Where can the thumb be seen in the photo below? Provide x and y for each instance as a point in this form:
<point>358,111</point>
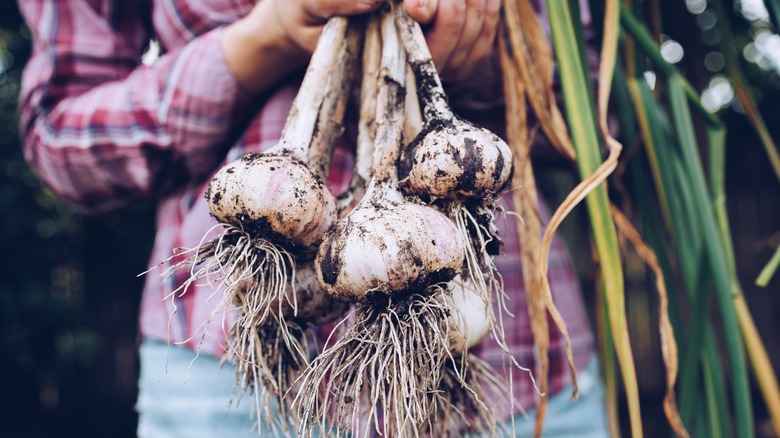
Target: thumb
<point>421,10</point>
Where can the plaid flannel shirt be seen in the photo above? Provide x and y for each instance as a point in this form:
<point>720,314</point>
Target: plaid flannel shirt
<point>103,130</point>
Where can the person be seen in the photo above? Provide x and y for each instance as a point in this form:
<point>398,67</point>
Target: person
<point>104,130</point>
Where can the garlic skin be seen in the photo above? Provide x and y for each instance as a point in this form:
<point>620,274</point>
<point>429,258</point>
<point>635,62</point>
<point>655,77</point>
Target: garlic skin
<point>276,195</point>
<point>313,303</point>
<point>470,320</point>
<point>451,158</point>
<point>273,197</point>
<point>454,161</point>
<point>388,247</point>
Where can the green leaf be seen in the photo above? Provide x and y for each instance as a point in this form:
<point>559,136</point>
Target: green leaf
<point>584,132</point>
<point>715,255</point>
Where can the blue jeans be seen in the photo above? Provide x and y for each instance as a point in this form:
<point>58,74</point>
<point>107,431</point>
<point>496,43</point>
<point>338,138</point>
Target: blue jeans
<point>194,400</point>
<point>586,417</point>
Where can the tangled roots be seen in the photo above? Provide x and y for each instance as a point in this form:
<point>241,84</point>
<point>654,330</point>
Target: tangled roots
<point>379,373</point>
<point>269,358</point>
<point>468,393</point>
<point>252,275</point>
<point>475,225</point>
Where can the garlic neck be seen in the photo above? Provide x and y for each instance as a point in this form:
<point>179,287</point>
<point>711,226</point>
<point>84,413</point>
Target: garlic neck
<point>429,86</point>
<point>302,119</point>
<point>372,54</point>
<point>390,103</point>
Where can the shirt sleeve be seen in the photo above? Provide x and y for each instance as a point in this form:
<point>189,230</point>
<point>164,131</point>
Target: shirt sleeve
<point>102,129</point>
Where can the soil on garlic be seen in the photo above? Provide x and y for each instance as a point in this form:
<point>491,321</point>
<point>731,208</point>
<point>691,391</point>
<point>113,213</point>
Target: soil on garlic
<point>393,260</point>
<point>274,197</point>
<point>461,169</point>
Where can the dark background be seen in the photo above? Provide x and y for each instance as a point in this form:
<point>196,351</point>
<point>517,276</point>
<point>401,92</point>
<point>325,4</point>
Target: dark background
<point>69,291</point>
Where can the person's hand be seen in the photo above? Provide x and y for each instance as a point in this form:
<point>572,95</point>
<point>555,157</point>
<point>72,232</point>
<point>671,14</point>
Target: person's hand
<point>302,20</point>
<point>278,36</point>
<point>461,33</point>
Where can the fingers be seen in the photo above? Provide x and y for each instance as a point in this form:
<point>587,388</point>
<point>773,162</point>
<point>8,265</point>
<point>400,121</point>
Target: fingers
<point>352,7</point>
<point>324,9</point>
<point>484,43</point>
<point>421,10</point>
<point>462,32</point>
<point>460,35</point>
<point>472,27</point>
<point>303,19</point>
<point>445,32</point>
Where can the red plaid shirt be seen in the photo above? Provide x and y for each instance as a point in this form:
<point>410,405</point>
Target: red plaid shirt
<point>103,130</point>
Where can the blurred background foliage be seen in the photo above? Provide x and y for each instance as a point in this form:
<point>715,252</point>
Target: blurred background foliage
<point>69,294</point>
<point>69,291</point>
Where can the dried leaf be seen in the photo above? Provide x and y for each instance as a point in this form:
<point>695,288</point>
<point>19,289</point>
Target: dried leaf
<point>525,201</point>
<point>533,60</point>
<point>668,343</point>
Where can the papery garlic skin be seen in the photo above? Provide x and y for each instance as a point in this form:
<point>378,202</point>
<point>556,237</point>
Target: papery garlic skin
<point>470,320</point>
<point>454,161</point>
<point>390,248</point>
<point>273,197</point>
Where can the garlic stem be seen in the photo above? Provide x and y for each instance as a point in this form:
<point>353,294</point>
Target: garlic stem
<point>330,121</point>
<point>413,123</point>
<point>435,104</point>
<point>372,55</point>
<point>390,104</point>
<point>299,127</point>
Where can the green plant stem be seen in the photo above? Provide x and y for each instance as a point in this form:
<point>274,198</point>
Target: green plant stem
<point>579,33</point>
<point>703,350</point>
<point>641,93</point>
<point>759,358</point>
<point>715,255</point>
<point>609,367</point>
<point>774,12</point>
<point>582,122</point>
<point>680,219</point>
<point>729,48</point>
<point>689,371</point>
<point>650,49</point>
<point>716,398</point>
<point>769,270</point>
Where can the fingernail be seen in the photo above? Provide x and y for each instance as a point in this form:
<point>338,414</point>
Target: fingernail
<point>461,4</point>
<point>493,5</point>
